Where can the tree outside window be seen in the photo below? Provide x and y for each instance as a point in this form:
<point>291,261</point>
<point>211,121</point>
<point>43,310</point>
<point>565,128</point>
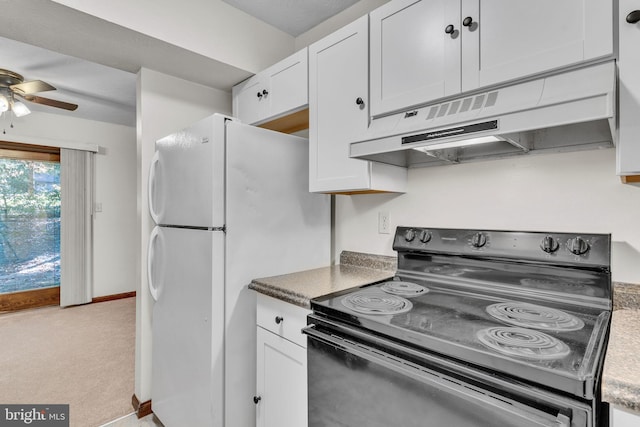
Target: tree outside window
<point>29,224</point>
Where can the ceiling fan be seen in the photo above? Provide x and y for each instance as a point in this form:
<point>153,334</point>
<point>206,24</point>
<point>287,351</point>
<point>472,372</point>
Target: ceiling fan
<point>12,85</point>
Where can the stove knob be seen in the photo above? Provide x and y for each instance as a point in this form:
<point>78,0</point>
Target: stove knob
<point>549,244</point>
<point>578,246</point>
<point>409,235</point>
<point>478,240</point>
<point>425,236</point>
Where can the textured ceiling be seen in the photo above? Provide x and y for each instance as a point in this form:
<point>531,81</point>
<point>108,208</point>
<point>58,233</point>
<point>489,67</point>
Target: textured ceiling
<point>102,93</point>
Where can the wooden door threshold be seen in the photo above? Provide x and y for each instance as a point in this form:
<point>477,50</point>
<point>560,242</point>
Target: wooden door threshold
<point>33,298</point>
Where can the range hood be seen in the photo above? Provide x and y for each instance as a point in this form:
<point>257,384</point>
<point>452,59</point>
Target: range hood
<point>572,110</point>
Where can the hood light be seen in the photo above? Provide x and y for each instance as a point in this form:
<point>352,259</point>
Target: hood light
<point>461,143</point>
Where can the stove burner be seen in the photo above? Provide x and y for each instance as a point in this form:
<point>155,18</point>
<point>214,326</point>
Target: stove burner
<point>523,342</point>
<point>371,302</point>
<point>403,289</point>
<point>534,316</point>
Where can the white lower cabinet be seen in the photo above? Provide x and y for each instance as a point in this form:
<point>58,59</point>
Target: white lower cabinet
<point>620,418</point>
<point>281,383</point>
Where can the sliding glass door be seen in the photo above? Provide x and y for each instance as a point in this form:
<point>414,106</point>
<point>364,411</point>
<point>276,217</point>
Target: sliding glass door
<point>29,224</point>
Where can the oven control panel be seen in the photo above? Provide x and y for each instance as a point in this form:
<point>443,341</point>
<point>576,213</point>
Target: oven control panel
<point>584,249</point>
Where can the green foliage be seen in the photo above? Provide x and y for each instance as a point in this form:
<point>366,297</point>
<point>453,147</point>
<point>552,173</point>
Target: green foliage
<point>22,194</point>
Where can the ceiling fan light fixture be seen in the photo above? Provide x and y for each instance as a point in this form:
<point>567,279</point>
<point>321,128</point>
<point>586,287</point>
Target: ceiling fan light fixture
<point>19,109</point>
<point>4,103</point>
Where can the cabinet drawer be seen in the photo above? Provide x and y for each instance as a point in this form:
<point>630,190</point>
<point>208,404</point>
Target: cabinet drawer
<point>282,318</point>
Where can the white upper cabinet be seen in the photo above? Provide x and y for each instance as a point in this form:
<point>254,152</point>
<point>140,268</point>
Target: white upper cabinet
<point>412,59</point>
<point>422,50</point>
<point>509,39</point>
<point>628,149</point>
<point>339,113</point>
<point>279,90</point>
<point>249,104</point>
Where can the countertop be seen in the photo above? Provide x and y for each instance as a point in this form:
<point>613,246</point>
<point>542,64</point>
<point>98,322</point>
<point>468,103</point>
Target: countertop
<point>621,377</point>
<point>300,287</point>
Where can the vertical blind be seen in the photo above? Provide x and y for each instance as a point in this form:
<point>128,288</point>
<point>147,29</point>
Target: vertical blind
<point>76,227</point>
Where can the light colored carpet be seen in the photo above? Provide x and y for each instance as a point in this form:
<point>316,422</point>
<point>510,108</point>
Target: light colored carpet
<point>82,356</point>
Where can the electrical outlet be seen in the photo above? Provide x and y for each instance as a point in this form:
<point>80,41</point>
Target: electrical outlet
<point>383,223</point>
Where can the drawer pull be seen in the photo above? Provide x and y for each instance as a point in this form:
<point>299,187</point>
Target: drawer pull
<point>279,320</point>
<point>256,399</point>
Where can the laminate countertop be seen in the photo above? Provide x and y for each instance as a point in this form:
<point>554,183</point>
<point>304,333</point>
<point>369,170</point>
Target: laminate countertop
<point>300,287</point>
<point>621,377</point>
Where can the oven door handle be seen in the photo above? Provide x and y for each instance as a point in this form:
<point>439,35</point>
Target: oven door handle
<point>438,380</point>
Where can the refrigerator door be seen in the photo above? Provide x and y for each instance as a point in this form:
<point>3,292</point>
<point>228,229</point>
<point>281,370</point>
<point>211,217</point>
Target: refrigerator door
<point>186,177</point>
<point>187,277</point>
<point>274,226</point>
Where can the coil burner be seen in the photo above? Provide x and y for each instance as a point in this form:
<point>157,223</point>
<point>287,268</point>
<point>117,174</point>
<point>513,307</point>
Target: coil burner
<point>403,289</point>
<point>521,342</point>
<point>534,316</point>
<point>376,302</point>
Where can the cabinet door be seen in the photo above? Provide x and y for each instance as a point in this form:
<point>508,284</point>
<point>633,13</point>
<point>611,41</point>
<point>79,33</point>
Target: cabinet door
<point>628,149</point>
<point>620,418</point>
<point>509,39</point>
<point>338,70</point>
<point>281,382</point>
<point>413,59</point>
<point>287,85</point>
<point>249,103</point>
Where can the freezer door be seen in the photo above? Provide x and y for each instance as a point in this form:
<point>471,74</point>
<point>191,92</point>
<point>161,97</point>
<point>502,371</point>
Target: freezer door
<point>186,177</point>
<point>187,325</point>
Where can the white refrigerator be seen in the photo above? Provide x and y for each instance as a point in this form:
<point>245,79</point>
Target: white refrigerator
<point>231,203</point>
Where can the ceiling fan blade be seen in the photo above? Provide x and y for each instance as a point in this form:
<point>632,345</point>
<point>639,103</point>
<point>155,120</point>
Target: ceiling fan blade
<point>50,102</point>
<point>33,86</point>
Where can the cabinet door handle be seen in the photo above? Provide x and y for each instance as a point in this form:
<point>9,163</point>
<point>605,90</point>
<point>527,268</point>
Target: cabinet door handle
<point>279,319</point>
<point>265,92</point>
<point>633,17</point>
<point>449,29</point>
<point>259,95</point>
<point>467,22</point>
<point>359,101</point>
<point>256,399</point>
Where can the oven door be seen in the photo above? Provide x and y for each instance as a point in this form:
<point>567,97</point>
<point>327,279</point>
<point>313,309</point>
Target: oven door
<point>355,383</point>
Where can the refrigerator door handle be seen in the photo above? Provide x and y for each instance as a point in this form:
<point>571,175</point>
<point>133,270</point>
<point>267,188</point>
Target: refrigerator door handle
<point>150,258</point>
<point>152,177</point>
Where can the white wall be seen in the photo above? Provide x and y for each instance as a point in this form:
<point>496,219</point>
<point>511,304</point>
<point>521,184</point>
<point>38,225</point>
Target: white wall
<point>573,192</point>
<point>115,174</point>
<point>211,28</point>
<point>164,104</point>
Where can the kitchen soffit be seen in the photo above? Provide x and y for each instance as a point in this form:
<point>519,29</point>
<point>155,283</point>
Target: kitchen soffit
<point>294,17</point>
<point>92,62</point>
